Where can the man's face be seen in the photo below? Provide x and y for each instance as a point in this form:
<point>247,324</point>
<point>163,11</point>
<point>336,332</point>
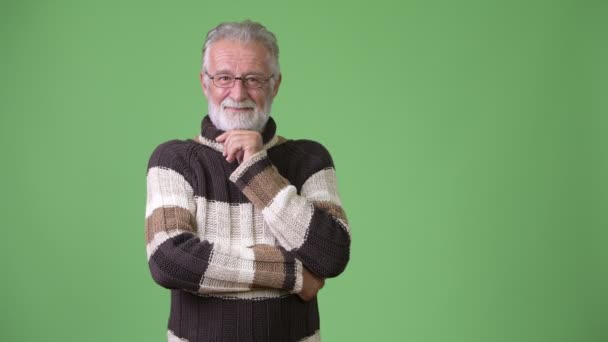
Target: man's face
<point>239,107</point>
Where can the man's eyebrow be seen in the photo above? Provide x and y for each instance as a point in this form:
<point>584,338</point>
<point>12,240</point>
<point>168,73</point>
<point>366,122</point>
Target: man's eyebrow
<point>223,71</point>
<point>226,71</point>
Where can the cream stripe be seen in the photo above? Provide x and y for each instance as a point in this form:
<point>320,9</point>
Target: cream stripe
<point>233,265</point>
<point>344,224</point>
<point>322,186</point>
<point>273,141</point>
<point>214,145</point>
<point>316,337</point>
<point>171,337</point>
<point>299,277</point>
<point>288,216</point>
<point>252,294</point>
<point>236,224</point>
<point>167,188</point>
<point>159,238</point>
<point>211,285</point>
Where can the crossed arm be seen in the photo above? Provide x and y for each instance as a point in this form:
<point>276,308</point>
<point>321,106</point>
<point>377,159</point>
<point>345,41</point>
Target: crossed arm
<point>310,228</point>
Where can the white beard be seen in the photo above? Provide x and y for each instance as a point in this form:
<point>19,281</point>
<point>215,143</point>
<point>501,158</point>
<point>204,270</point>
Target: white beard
<point>253,120</point>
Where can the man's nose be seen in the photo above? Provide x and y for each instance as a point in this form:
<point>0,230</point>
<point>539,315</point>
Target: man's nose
<point>238,92</point>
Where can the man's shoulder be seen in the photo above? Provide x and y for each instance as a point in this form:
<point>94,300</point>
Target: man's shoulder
<point>307,145</point>
<point>170,154</point>
<point>308,151</point>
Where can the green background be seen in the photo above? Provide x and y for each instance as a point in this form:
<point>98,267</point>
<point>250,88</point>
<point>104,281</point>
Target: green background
<point>469,139</point>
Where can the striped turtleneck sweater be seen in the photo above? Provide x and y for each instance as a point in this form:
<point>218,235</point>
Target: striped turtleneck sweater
<point>230,241</point>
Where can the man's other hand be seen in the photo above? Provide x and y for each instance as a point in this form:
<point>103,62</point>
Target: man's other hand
<point>311,284</point>
<point>240,144</point>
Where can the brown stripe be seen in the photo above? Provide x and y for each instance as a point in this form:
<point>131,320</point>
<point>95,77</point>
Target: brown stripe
<point>269,266</point>
<point>166,219</point>
<point>332,209</point>
<point>264,186</point>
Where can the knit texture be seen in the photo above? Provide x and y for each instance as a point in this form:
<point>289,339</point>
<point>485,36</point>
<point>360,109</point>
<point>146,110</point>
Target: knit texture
<point>230,241</point>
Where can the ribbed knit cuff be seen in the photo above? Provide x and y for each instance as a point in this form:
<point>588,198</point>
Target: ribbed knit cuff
<point>299,272</point>
<point>258,179</point>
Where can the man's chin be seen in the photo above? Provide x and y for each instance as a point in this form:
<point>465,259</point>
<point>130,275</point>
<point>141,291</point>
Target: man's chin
<point>243,121</point>
<point>238,115</point>
<point>228,119</point>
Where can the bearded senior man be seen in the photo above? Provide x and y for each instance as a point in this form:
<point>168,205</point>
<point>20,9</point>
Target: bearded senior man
<point>243,225</point>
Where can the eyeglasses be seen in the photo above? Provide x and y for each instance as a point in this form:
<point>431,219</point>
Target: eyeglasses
<point>249,81</point>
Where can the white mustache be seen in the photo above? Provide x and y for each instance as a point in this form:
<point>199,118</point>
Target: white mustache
<point>237,104</point>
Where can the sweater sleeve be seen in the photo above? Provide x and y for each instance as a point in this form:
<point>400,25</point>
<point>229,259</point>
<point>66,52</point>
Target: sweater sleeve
<point>311,224</point>
<point>179,259</point>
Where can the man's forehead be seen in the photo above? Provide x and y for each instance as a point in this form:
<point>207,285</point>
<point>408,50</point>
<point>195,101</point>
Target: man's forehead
<point>230,54</point>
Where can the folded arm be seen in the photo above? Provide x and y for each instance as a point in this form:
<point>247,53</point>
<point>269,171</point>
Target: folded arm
<point>179,259</point>
<point>312,224</point>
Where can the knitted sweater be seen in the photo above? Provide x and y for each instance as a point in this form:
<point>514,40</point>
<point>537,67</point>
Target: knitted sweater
<point>230,241</point>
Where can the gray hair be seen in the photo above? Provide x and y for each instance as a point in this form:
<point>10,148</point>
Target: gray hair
<point>246,31</point>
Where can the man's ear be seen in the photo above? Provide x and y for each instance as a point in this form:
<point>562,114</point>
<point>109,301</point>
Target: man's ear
<point>203,83</point>
<point>275,91</point>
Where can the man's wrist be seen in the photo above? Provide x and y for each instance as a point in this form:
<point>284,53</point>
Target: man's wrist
<point>248,154</point>
<point>247,164</point>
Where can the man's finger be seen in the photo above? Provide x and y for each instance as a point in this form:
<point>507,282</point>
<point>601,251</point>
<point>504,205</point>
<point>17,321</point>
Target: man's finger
<point>230,153</point>
<point>233,146</point>
<point>227,135</point>
<point>222,136</point>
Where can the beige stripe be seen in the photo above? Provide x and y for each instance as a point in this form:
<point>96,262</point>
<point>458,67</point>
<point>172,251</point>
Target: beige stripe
<point>269,268</point>
<point>332,209</point>
<point>268,253</point>
<point>166,219</point>
<point>264,186</point>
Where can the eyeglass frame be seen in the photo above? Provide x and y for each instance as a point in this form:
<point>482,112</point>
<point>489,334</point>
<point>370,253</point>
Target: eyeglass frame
<point>242,78</point>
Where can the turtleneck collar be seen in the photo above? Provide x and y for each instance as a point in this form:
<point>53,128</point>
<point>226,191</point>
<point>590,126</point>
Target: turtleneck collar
<point>209,132</point>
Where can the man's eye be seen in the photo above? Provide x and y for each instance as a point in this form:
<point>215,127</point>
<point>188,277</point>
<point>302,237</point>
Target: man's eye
<point>224,78</point>
<point>253,80</point>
